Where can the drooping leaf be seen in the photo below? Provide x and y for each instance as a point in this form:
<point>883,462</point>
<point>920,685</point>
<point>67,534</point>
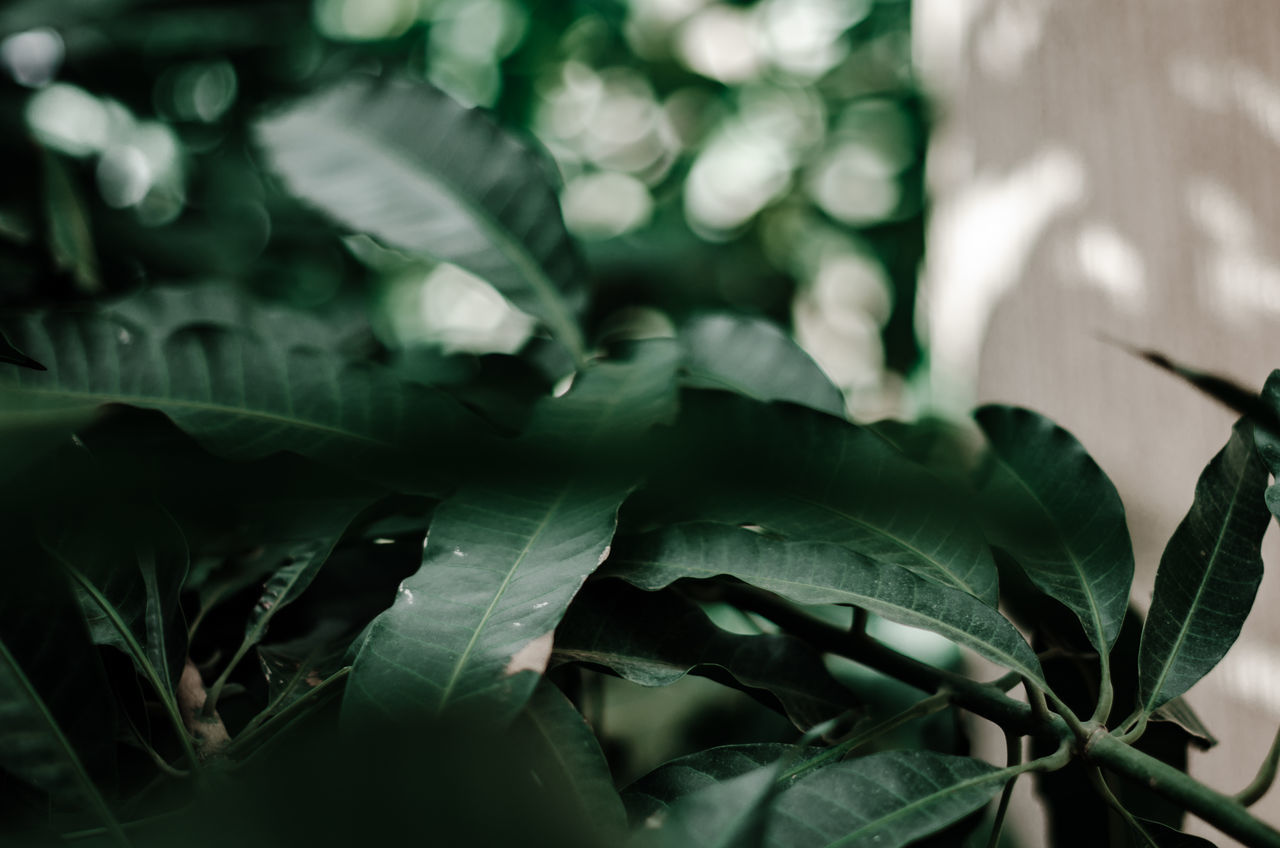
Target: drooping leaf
<point>557,738</point>
<point>1209,574</point>
<point>405,163</point>
<point>821,573</point>
<point>470,632</point>
<point>656,638</point>
<point>811,477</point>
<point>240,396</point>
<point>755,358</point>
<point>67,220</point>
<point>884,800</point>
<point>1056,513</point>
<point>1167,837</point>
<point>655,793</point>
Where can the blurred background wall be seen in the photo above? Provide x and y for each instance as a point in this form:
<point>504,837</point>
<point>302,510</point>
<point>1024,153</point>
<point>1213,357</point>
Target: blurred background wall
<point>1110,169</point>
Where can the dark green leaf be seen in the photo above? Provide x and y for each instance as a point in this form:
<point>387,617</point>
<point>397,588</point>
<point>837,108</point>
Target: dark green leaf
<point>558,738</point>
<point>1054,510</point>
<point>754,358</point>
<point>818,573</point>
<point>1209,574</point>
<point>239,395</point>
<point>294,668</point>
<point>470,632</point>
<point>653,794</point>
<point>656,638</point>
<point>1179,712</point>
<point>404,162</point>
<point>1167,837</point>
<point>67,219</point>
<point>811,477</point>
<point>130,563</point>
<point>732,813</point>
<point>884,800</point>
<point>10,354</point>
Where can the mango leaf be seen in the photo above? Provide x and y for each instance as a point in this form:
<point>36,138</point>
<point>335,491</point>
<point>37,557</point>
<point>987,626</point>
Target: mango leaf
<point>755,358</point>
<point>472,630</point>
<point>1056,513</point>
<point>1179,712</point>
<point>656,638</point>
<point>1167,837</point>
<point>812,477</point>
<point>296,667</point>
<point>732,813</point>
<point>818,573</point>
<point>884,800</point>
<point>129,563</point>
<point>1209,574</point>
<point>649,798</point>
<point>67,222</point>
<point>56,715</point>
<point>558,739</point>
<point>13,356</point>
<point>405,163</point>
<point>238,395</point>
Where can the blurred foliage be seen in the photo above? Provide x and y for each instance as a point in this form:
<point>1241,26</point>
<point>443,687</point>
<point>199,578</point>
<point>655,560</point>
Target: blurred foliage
<point>763,156</point>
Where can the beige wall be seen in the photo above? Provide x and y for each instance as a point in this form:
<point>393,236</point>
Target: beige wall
<point>1113,167</point>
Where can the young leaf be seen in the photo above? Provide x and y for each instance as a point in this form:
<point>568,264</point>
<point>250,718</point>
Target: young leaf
<point>883,800</point>
<point>404,162</point>
<point>1054,510</point>
<point>240,396</point>
<point>1208,576</point>
<point>470,632</point>
<point>558,738</point>
<point>754,358</point>
<point>612,624</point>
<point>818,573</point>
<point>814,478</point>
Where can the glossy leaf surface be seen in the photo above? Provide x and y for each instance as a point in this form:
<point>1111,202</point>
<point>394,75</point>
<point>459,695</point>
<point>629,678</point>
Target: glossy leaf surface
<point>818,573</point>
<point>754,358</point>
<point>811,477</point>
<point>470,632</point>
<point>404,162</point>
<point>1208,576</point>
<point>1059,516</point>
<point>654,793</point>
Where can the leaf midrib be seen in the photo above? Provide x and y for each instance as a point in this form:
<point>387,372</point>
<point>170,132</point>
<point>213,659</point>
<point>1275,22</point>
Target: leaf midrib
<point>1185,627</point>
<point>201,406</point>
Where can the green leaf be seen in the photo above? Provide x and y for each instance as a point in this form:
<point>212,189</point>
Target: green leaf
<point>612,624</point>
<point>884,800</point>
<point>56,715</point>
<point>1179,712</point>
<point>818,573</point>
<point>10,354</point>
<point>1054,510</point>
<point>407,164</point>
<point>33,747</point>
<point>757,359</point>
<point>240,396</point>
<point>67,219</point>
<point>811,477</point>
<point>129,563</point>
<point>655,793</point>
<point>1209,574</point>
<point>733,813</point>
<point>1167,837</point>
<point>558,739</point>
<point>471,631</point>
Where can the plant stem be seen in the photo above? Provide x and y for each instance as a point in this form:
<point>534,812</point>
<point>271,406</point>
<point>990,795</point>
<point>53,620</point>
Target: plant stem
<point>215,691</point>
<point>1013,747</point>
<point>1221,811</point>
<point>289,713</point>
<point>1266,775</point>
<point>988,701</point>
